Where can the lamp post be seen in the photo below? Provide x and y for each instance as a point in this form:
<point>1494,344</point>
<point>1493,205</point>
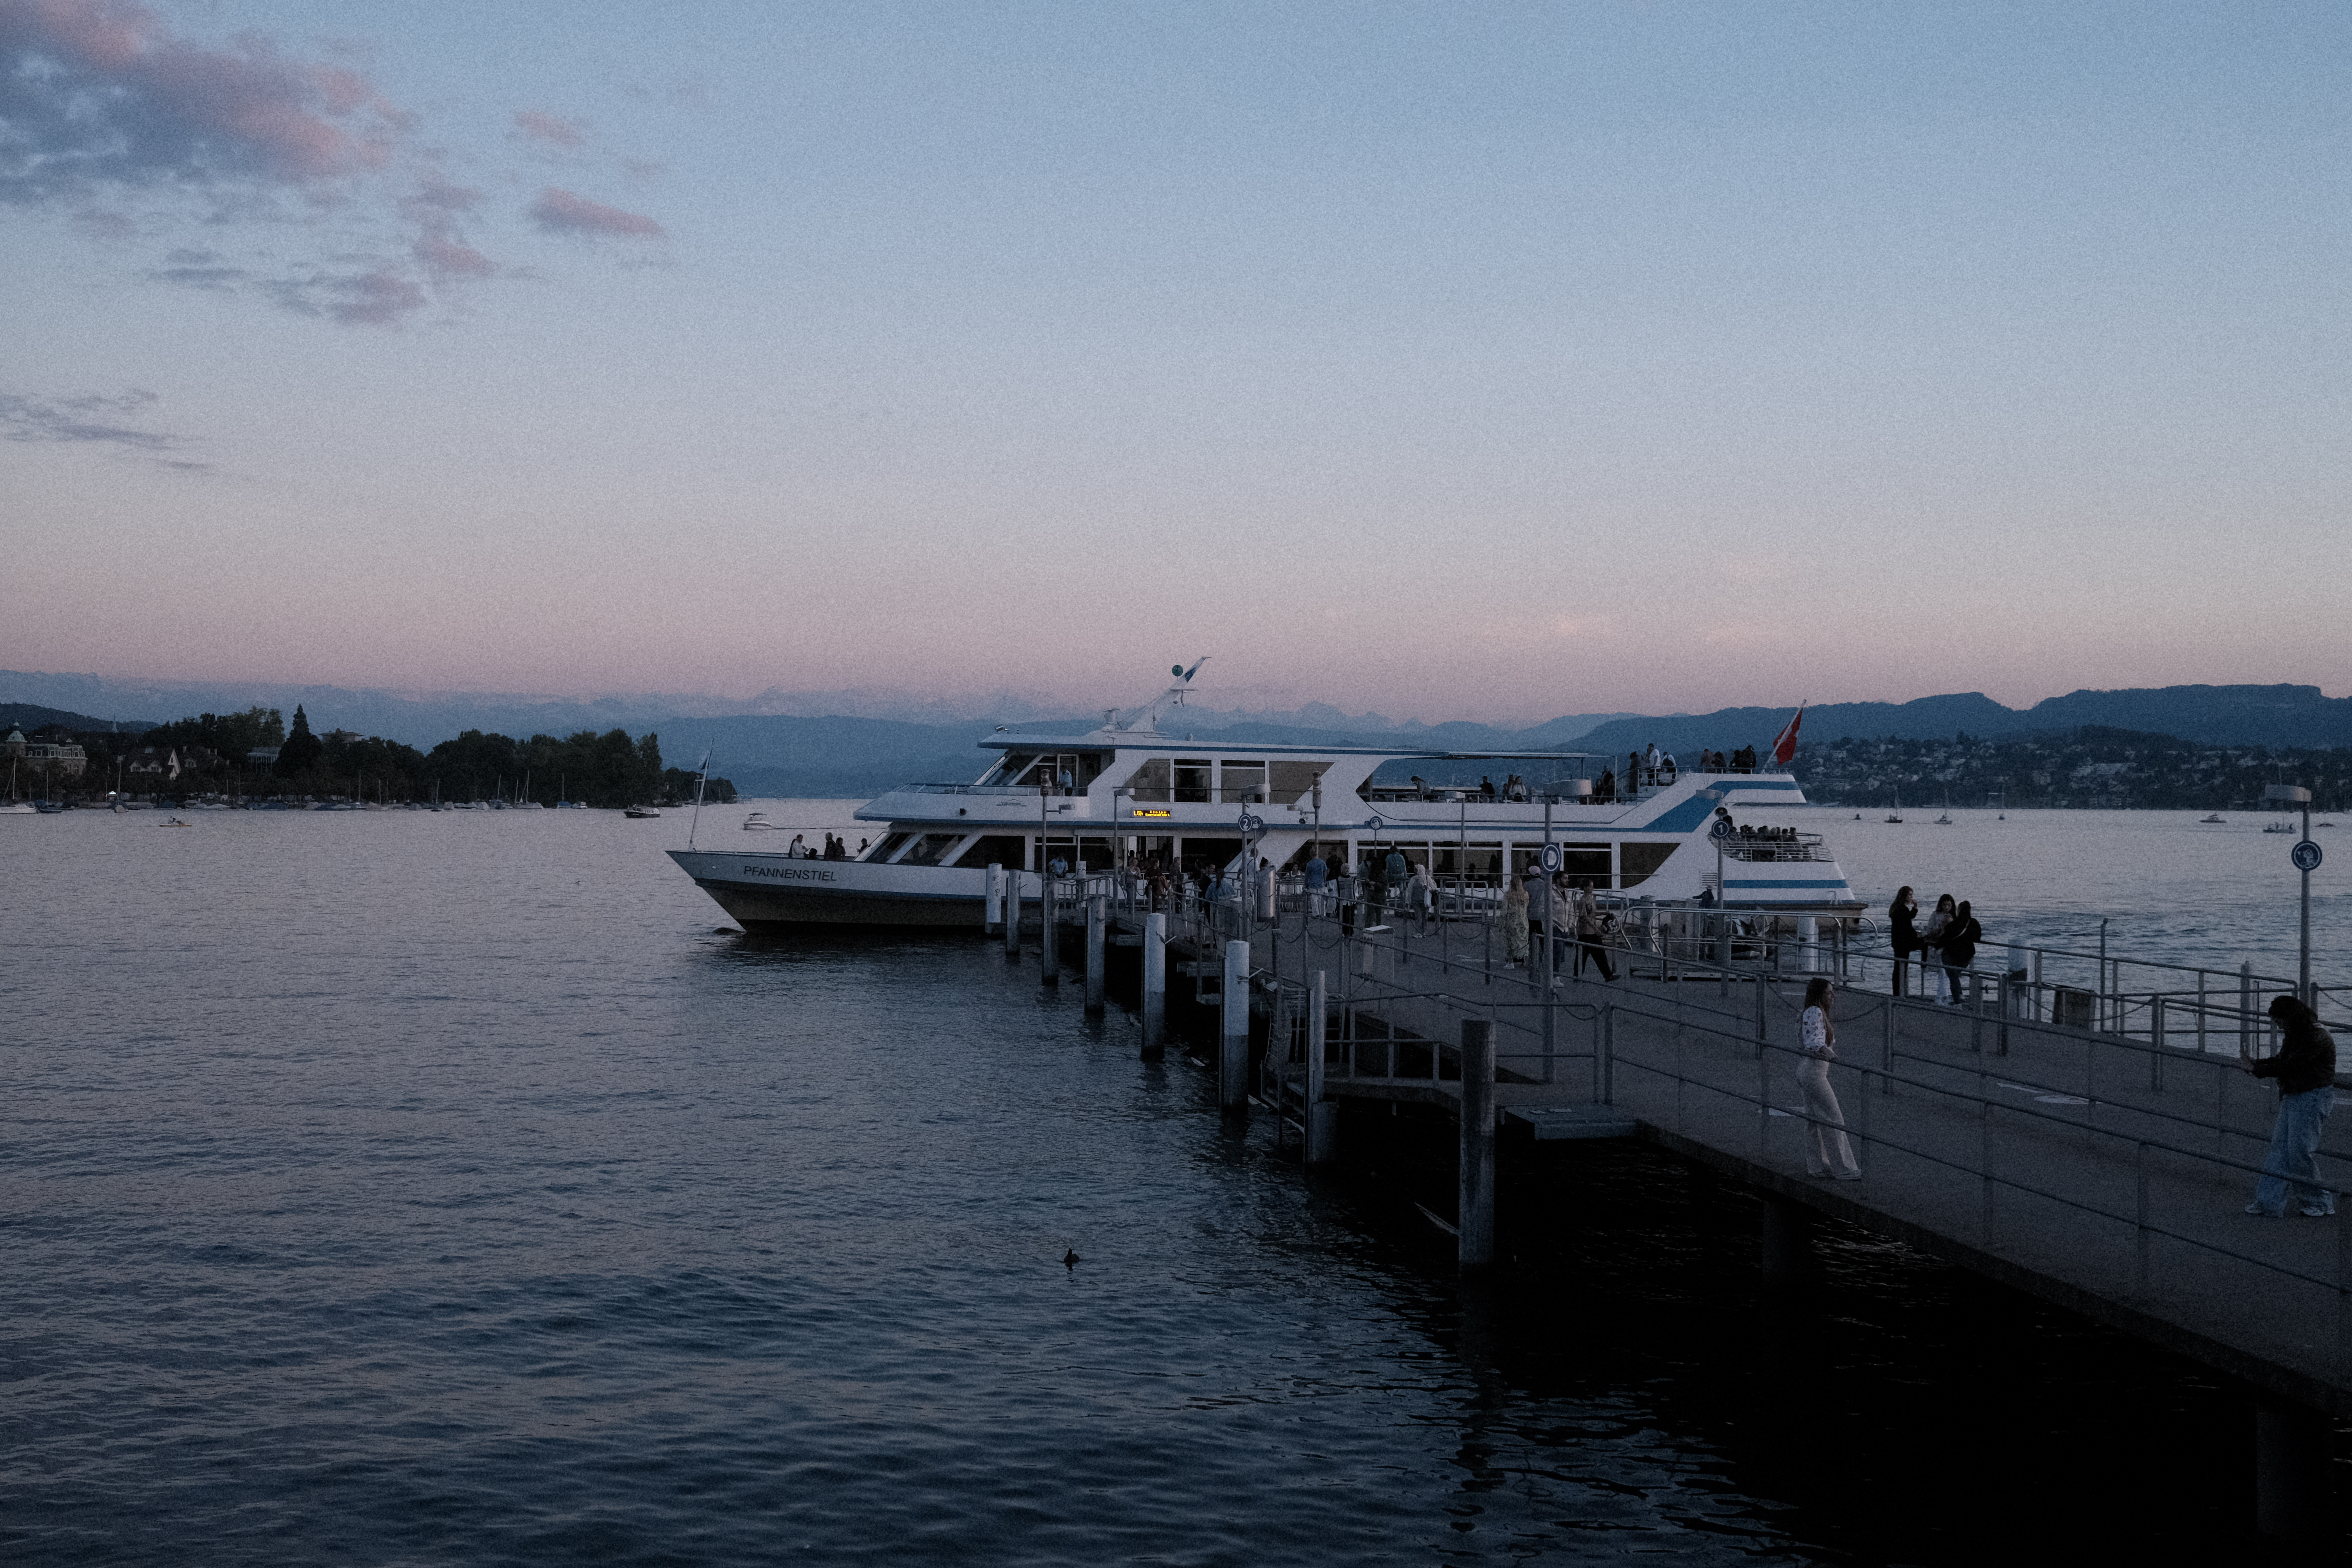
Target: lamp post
<point>2306,856</point>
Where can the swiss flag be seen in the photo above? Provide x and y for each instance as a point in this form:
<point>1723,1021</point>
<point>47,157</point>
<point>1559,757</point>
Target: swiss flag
<point>1785,749</point>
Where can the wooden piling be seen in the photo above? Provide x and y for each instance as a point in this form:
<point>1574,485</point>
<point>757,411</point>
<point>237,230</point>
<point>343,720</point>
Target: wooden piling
<point>1012,913</point>
<point>1155,986</point>
<point>1475,1216</point>
<point>1321,1119</point>
<point>993,913</point>
<point>1098,932</point>
<point>1049,933</point>
<point>1232,1031</point>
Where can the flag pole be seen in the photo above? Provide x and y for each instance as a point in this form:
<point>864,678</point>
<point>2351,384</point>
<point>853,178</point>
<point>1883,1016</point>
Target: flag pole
<point>702,777</point>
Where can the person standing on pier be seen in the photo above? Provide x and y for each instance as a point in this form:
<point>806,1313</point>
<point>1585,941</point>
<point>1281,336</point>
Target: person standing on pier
<point>1515,921</point>
<point>1930,941</point>
<point>2305,1070</point>
<point>1903,918</point>
<point>1319,876</point>
<point>1958,944</point>
<point>1827,1153</point>
<point>1590,947</point>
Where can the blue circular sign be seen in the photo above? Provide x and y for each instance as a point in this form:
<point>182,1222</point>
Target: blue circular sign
<point>1722,828</point>
<point>1549,858</point>
<point>2307,855</point>
<point>1252,824</point>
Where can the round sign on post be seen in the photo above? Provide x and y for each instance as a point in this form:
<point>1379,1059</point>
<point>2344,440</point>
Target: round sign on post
<point>1251,826</point>
<point>1722,828</point>
<point>2307,855</point>
<point>1549,858</point>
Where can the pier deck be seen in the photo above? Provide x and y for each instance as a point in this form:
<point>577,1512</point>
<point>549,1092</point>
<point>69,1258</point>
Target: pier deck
<point>2103,1173</point>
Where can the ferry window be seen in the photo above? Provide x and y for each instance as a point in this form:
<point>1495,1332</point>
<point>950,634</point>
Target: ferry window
<point>1243,782</point>
<point>1149,782</point>
<point>1640,862</point>
<point>1090,767</point>
<point>1288,782</point>
<point>1586,860</point>
<point>933,845</point>
<point>888,846</point>
<point>996,849</point>
<point>1192,780</point>
<point>1014,764</point>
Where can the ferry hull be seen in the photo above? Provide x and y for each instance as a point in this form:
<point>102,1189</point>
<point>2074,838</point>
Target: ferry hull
<point>767,892</point>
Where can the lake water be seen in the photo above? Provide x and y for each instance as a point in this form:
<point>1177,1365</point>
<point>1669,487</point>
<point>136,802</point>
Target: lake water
<point>397,1188</point>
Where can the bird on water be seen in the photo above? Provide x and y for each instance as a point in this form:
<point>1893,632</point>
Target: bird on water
<point>1070,1259</point>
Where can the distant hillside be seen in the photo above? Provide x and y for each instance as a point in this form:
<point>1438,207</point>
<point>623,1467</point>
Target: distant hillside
<point>30,716</point>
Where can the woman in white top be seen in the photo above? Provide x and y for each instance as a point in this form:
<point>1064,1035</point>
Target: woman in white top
<point>1931,937</point>
<point>1827,1153</point>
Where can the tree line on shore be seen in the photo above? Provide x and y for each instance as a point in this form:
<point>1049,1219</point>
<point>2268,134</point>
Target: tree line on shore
<point>257,753</point>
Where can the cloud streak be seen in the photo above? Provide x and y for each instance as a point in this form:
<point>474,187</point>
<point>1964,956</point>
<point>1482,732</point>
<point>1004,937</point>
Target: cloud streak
<point>561,211</point>
<point>93,419</point>
<point>551,129</point>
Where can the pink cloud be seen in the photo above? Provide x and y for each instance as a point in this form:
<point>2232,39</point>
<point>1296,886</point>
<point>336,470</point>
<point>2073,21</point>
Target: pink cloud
<point>560,212</point>
<point>101,94</point>
<point>547,128</point>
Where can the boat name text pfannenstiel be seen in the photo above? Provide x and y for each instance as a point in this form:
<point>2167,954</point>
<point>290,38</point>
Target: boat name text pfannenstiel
<point>789,873</point>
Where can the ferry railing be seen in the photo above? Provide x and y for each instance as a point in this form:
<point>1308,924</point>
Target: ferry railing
<point>2132,1137</point>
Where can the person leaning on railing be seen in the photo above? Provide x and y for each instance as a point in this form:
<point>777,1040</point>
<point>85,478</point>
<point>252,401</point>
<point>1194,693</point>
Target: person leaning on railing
<point>2305,1070</point>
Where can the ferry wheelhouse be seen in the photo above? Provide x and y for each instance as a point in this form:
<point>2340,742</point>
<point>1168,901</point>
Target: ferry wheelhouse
<point>1130,793</point>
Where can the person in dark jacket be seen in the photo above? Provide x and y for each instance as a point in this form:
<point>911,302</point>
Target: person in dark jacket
<point>1957,947</point>
<point>2305,1070</point>
<point>1903,916</point>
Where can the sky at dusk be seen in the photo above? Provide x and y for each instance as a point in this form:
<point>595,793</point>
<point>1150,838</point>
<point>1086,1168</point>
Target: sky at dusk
<point>1484,362</point>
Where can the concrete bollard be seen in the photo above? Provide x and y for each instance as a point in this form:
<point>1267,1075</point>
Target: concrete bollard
<point>992,910</point>
<point>1322,1120</point>
<point>1265,895</point>
<point>1474,1215</point>
<point>1049,932</point>
<point>1155,986</point>
<point>1809,943</point>
<point>1098,931</point>
<point>1232,1031</point>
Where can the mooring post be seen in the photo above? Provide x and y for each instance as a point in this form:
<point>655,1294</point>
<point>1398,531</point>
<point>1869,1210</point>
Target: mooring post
<point>1049,935</point>
<point>1098,931</point>
<point>1759,1015</point>
<point>2246,1008</point>
<point>1322,1120</point>
<point>1475,1216</point>
<point>1788,1244</point>
<point>2291,1471</point>
<point>1232,1031</point>
<point>992,916</point>
<point>1012,913</point>
<point>1155,984</point>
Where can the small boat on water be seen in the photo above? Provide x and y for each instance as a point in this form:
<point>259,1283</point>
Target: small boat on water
<point>639,811</point>
<point>758,823</point>
<point>2212,819</point>
<point>1896,815</point>
<point>2282,826</point>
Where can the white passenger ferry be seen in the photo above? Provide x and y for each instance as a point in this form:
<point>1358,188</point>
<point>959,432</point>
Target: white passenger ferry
<point>1130,794</point>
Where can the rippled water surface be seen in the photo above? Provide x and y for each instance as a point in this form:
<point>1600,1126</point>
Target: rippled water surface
<point>399,1187</point>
